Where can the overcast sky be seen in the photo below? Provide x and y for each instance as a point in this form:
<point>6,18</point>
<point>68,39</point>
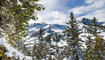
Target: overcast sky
<point>57,11</point>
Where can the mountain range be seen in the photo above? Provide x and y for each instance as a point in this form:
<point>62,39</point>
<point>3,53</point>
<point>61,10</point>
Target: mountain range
<point>59,27</point>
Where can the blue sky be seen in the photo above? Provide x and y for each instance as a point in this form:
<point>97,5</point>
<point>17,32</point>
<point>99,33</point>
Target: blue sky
<point>57,11</point>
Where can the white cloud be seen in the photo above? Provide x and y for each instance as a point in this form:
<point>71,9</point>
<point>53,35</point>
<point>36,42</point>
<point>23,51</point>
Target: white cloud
<point>96,4</point>
<point>49,4</point>
<point>54,17</point>
<point>50,14</point>
<point>91,8</point>
<point>99,14</point>
<point>94,8</point>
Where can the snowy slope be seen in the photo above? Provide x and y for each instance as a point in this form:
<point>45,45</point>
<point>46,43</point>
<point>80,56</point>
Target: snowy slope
<point>48,29</point>
<point>13,52</point>
<point>54,28</point>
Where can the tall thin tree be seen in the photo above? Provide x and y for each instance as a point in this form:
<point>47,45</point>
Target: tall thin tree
<point>95,51</point>
<point>74,51</point>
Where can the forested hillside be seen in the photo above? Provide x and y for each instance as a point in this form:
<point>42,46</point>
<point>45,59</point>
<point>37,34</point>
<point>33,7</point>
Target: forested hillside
<point>77,39</point>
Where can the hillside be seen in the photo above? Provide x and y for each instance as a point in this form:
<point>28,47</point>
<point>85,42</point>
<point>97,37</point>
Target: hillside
<point>48,29</point>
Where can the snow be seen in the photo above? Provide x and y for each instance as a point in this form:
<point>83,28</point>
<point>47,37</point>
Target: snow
<point>62,43</point>
<point>49,29</point>
<point>13,52</point>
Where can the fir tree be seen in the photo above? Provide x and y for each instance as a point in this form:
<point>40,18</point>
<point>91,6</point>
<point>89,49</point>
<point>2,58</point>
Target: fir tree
<point>74,51</point>
<point>40,48</point>
<point>96,52</point>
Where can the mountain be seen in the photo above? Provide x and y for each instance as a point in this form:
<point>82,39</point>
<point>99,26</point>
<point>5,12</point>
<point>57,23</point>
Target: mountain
<point>52,28</point>
<point>85,21</point>
<point>48,28</point>
<point>44,25</point>
<point>89,22</point>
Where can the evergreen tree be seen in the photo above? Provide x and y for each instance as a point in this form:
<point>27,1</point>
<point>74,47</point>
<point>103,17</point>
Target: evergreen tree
<point>74,51</point>
<point>52,49</point>
<point>96,52</point>
<point>89,51</point>
<point>14,17</point>
<point>40,48</point>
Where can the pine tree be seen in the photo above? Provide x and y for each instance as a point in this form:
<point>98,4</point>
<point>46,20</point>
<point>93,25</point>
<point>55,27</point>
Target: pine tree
<point>74,51</point>
<point>14,17</point>
<point>96,52</point>
<point>40,48</point>
<point>89,51</point>
<point>52,49</point>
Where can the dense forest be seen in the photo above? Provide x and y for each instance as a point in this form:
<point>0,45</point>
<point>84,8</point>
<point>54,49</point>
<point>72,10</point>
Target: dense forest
<point>18,42</point>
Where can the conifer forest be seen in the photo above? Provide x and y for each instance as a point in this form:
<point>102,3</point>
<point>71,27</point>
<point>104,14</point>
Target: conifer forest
<point>52,29</point>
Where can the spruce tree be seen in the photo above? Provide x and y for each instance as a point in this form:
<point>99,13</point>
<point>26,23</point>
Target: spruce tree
<point>74,51</point>
<point>40,48</point>
<point>99,42</point>
<point>96,52</point>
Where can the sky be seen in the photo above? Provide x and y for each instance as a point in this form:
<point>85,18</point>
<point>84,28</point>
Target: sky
<point>58,11</point>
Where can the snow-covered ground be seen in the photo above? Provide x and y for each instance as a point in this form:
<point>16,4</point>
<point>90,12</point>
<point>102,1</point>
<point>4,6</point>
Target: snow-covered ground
<point>13,52</point>
<point>48,29</point>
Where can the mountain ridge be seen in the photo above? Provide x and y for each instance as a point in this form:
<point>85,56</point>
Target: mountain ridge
<point>85,21</point>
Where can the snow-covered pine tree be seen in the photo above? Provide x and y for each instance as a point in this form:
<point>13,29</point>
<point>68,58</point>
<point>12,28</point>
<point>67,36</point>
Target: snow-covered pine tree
<point>57,37</point>
<point>74,51</point>
<point>39,49</point>
<point>53,50</point>
<point>50,50</point>
<point>96,51</point>
<point>14,17</point>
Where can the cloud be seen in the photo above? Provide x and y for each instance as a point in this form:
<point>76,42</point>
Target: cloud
<point>57,11</point>
<point>54,17</point>
<point>49,4</point>
<point>99,14</point>
<point>94,8</point>
<point>95,4</point>
<point>51,14</point>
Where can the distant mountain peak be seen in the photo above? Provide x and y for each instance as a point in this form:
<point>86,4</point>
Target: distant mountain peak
<point>87,21</point>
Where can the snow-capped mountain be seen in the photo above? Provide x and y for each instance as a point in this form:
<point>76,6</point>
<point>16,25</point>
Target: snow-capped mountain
<point>88,22</point>
<point>47,26</point>
<point>51,28</point>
